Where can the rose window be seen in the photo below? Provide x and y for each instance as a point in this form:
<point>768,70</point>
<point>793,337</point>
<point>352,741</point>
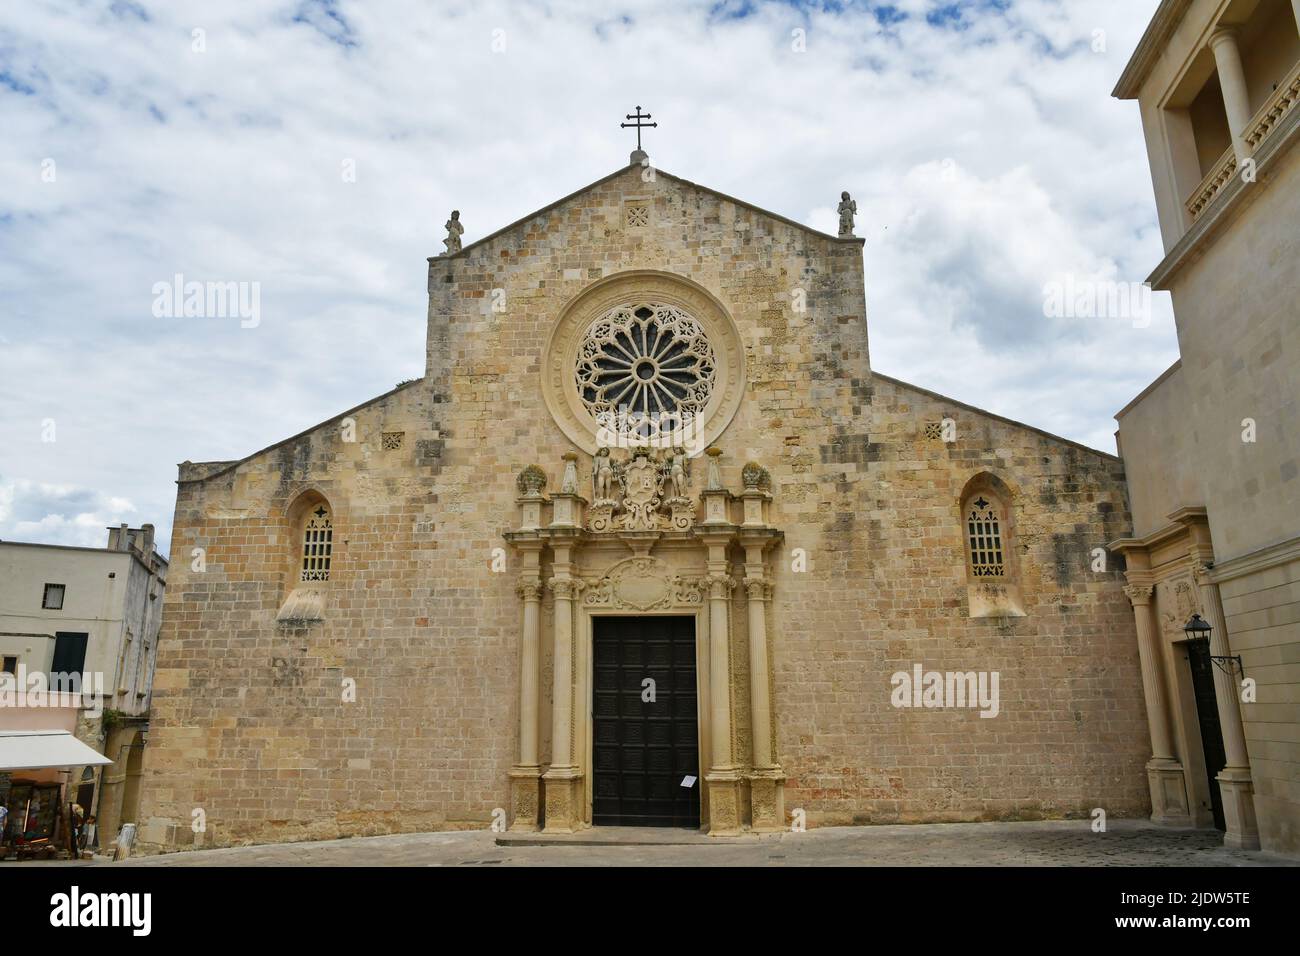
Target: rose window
<point>645,365</point>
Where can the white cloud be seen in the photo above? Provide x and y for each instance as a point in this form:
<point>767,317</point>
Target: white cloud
<point>227,165</point>
<point>59,514</point>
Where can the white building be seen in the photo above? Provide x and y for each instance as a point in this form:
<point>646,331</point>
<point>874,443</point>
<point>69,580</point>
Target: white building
<point>94,613</point>
<point>1211,448</point>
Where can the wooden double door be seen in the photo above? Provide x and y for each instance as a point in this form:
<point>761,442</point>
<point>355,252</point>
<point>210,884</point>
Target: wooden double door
<point>645,745</point>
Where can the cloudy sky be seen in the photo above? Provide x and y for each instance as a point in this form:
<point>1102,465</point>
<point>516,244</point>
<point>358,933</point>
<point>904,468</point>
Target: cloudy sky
<point>315,147</point>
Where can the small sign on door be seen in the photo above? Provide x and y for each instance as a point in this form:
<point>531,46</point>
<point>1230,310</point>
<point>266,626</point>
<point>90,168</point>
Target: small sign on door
<point>688,782</point>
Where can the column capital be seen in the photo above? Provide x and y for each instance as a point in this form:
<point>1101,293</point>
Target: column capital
<point>1224,34</point>
<point>720,584</point>
<point>1139,595</point>
<point>1201,571</point>
<point>757,588</point>
<point>529,590</point>
<point>564,589</point>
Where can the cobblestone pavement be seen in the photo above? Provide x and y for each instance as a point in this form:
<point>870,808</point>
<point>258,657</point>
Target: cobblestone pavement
<point>1057,843</point>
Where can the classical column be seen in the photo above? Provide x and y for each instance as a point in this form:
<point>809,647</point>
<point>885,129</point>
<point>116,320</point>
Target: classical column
<point>531,592</point>
<point>723,777</point>
<point>1235,783</point>
<point>766,782</point>
<point>525,786</point>
<point>562,778</point>
<point>767,810</point>
<point>760,708</point>
<point>720,664</point>
<point>562,699</point>
<point>525,773</point>
<point>1164,772</point>
<point>1232,80</point>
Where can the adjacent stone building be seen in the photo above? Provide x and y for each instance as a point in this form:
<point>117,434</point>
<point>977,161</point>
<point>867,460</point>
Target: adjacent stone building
<point>519,591</point>
<point>1212,446</point>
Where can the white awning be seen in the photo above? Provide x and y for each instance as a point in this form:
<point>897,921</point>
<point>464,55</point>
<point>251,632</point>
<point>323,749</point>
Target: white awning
<point>44,750</point>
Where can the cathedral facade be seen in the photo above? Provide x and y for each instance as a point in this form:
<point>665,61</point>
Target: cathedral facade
<point>649,543</point>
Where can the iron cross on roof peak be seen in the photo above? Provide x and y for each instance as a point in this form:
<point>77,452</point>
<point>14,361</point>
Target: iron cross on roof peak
<point>638,116</point>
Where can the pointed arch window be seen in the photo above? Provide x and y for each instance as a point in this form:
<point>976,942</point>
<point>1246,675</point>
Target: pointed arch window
<point>317,544</point>
<point>988,518</point>
<point>984,539</point>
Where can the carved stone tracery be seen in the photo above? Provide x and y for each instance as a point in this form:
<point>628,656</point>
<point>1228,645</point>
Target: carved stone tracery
<point>645,365</point>
<point>611,376</point>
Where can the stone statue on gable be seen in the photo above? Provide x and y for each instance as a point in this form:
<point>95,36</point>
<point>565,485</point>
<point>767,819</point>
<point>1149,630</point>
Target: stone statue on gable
<point>454,231</point>
<point>847,210</point>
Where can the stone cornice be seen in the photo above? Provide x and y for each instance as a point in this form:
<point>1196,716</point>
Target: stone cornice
<point>947,400</point>
<point>1189,514</point>
<point>1259,560</point>
<point>1179,520</point>
<point>766,536</point>
<point>1160,380</point>
<point>636,170</point>
<point>190,471</point>
<point>702,532</point>
<point>1155,538</point>
<point>1150,48</point>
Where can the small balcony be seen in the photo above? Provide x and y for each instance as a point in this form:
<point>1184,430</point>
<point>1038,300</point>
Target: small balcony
<point>1219,176</point>
<point>1257,132</point>
<point>1271,113</point>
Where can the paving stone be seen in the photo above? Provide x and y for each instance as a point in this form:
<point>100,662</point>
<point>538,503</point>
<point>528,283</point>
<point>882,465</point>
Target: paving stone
<point>1053,843</point>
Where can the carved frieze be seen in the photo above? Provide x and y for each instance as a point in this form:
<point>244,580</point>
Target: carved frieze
<point>1179,600</point>
<point>643,584</point>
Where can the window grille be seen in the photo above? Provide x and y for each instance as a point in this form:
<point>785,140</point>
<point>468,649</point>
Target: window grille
<point>317,545</point>
<point>985,535</point>
<point>53,599</point>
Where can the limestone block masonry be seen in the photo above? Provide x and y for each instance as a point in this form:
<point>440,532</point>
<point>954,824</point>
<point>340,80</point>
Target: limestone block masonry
<point>422,694</point>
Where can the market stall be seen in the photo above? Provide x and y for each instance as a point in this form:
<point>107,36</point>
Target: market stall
<point>33,764</point>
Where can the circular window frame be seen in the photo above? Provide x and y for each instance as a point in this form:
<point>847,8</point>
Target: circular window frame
<point>559,384</point>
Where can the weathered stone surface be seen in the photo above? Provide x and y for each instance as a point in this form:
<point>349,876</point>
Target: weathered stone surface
<point>416,616</point>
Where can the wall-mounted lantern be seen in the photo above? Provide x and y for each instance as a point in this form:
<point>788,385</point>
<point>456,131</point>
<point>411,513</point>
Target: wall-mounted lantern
<point>1198,629</point>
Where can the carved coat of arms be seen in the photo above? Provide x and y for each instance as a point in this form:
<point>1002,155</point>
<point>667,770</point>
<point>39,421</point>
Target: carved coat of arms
<point>642,480</point>
<point>629,494</point>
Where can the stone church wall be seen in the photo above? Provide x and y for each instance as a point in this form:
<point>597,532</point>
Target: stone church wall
<point>253,727</point>
<point>887,591</point>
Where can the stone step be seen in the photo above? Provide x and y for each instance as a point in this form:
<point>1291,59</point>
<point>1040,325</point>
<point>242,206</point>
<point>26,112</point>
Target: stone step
<point>628,836</point>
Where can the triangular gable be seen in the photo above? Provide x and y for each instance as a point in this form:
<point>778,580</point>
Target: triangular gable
<point>666,175</point>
